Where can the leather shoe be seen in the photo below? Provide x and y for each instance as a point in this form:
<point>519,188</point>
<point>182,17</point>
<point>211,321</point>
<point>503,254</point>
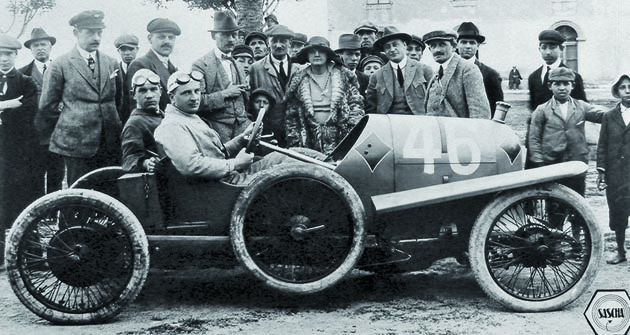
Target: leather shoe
<point>617,259</point>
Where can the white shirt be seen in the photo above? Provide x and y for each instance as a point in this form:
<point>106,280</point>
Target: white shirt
<point>395,66</point>
<point>444,66</point>
<point>4,87</point>
<point>564,108</point>
<point>276,63</point>
<point>625,114</point>
<point>124,66</point>
<point>225,62</point>
<point>86,54</point>
<point>40,65</point>
<point>552,66</point>
<point>162,59</point>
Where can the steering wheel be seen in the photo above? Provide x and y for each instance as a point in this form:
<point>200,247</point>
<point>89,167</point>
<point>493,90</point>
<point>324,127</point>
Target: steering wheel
<point>252,137</point>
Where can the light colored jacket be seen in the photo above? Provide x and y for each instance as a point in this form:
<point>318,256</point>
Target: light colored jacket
<point>380,91</point>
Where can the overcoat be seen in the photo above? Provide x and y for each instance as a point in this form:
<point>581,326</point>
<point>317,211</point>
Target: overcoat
<point>460,92</point>
<point>78,107</point>
<point>31,70</point>
<point>380,90</point>
<point>492,84</point>
<point>346,104</point>
<point>152,62</point>
<point>613,156</point>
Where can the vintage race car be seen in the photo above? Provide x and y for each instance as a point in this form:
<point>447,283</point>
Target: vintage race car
<point>397,194</point>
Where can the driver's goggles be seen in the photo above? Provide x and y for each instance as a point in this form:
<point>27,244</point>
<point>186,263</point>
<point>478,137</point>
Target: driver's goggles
<point>182,78</point>
<point>142,79</point>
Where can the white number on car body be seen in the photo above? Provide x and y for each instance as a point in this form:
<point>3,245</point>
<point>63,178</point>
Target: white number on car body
<point>428,150</point>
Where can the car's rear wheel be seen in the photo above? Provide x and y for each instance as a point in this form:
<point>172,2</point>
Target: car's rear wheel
<point>298,228</point>
<point>103,180</point>
<point>77,257</point>
<point>536,249</point>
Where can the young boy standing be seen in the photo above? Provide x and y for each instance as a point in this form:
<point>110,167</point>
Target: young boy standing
<point>613,164</point>
<point>557,127</point>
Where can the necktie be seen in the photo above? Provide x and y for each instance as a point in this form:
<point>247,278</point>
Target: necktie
<point>3,80</point>
<point>399,74</point>
<point>92,65</point>
<point>283,75</point>
<point>44,69</point>
<point>440,72</point>
<point>226,57</point>
<point>546,78</point>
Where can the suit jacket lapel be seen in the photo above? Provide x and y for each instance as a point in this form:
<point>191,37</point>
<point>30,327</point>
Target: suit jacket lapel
<point>103,65</point>
<point>81,65</point>
<point>409,74</point>
<point>388,77</point>
<point>159,68</point>
<point>35,74</point>
<point>450,69</point>
<point>272,72</point>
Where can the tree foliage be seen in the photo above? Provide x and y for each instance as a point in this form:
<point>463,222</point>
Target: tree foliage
<point>21,13</point>
<point>269,6</point>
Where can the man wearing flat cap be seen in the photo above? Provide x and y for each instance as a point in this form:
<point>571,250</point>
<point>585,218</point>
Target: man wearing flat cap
<point>468,41</point>
<point>20,170</point>
<point>223,87</point>
<point>457,88</point>
<point>350,52</point>
<point>272,73</point>
<point>162,37</point>
<point>415,49</point>
<point>52,164</point>
<point>258,42</point>
<point>297,43</point>
<point>127,46</point>
<point>367,32</point>
<point>80,102</point>
<point>399,87</point>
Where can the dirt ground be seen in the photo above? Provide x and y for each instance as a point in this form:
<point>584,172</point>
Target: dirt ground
<point>445,299</point>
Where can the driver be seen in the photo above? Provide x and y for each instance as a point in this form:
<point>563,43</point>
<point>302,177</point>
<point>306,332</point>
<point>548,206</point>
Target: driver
<point>195,149</point>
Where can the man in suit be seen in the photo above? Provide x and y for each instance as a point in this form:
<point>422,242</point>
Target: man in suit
<point>272,73</point>
<point>367,34</point>
<point>468,41</point>
<point>223,87</point>
<point>162,37</point>
<point>51,166</point>
<point>81,96</point>
<point>350,53</point>
<point>258,42</point>
<point>127,46</point>
<point>457,90</point>
<point>20,181</point>
<point>399,86</point>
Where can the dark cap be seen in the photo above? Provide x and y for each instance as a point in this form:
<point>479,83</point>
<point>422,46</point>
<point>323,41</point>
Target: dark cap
<point>550,36</point>
<point>9,42</point>
<point>255,34</point>
<point>469,30</point>
<point>90,19</point>
<point>369,26</point>
<point>224,21</point>
<point>440,35</point>
<point>561,74</point>
<point>300,38</point>
<point>280,31</point>
<point>262,91</point>
<point>370,59</point>
<point>163,25</point>
<point>39,34</point>
<point>391,33</point>
<point>242,50</point>
<point>417,39</point>
<point>127,40</point>
<point>271,17</point>
<point>349,42</point>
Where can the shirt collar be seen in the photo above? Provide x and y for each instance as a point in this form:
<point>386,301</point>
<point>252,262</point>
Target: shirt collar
<point>555,65</point>
<point>444,65</point>
<point>160,57</point>
<point>277,62</point>
<point>624,109</point>
<point>220,54</point>
<point>85,54</point>
<point>402,63</point>
<point>40,65</point>
<point>7,72</point>
<point>470,60</point>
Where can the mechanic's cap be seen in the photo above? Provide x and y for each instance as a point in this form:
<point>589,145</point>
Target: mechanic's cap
<point>9,42</point>
<point>243,50</point>
<point>440,35</point>
<point>370,59</point>
<point>550,36</point>
<point>89,19</point>
<point>126,40</point>
<point>179,78</point>
<point>561,74</point>
<point>300,38</point>
<point>369,26</point>
<point>163,25</point>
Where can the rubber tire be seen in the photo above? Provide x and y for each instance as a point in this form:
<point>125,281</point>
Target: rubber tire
<point>103,202</point>
<point>485,221</point>
<point>288,171</point>
<point>103,180</point>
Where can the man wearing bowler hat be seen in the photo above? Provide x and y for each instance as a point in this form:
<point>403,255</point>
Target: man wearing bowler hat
<point>127,46</point>
<point>258,42</point>
<point>223,87</point>
<point>350,52</point>
<point>20,170</point>
<point>367,33</point>
<point>52,167</point>
<point>162,37</point>
<point>272,73</point>
<point>399,86</point>
<point>468,41</point>
<point>80,100</point>
<point>457,89</point>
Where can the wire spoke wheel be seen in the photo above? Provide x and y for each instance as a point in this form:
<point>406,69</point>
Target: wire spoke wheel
<point>77,257</point>
<point>539,252</point>
<point>299,229</point>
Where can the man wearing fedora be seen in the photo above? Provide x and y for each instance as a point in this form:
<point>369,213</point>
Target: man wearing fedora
<point>415,48</point>
<point>52,165</point>
<point>127,46</point>
<point>21,179</point>
<point>223,87</point>
<point>399,87</point>
<point>367,33</point>
<point>272,73</point>
<point>350,52</point>
<point>80,100</point>
<point>468,41</point>
<point>162,37</point>
<point>457,89</point>
<point>258,42</point>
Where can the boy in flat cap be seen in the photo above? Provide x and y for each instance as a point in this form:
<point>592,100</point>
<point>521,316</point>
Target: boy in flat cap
<point>162,37</point>
<point>457,88</point>
<point>80,102</point>
<point>223,87</point>
<point>557,127</point>
<point>244,57</point>
<point>127,46</point>
<point>258,42</point>
<point>20,160</point>
<point>41,45</point>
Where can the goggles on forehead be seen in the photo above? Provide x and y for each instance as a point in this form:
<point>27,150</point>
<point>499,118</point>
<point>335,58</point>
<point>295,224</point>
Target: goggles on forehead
<point>183,78</point>
<point>142,79</point>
